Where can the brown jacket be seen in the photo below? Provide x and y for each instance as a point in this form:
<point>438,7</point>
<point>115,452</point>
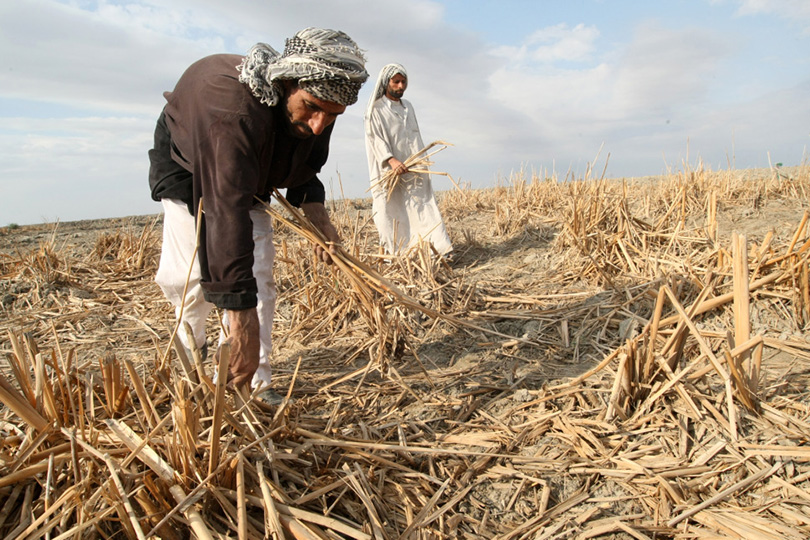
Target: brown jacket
<point>216,141</point>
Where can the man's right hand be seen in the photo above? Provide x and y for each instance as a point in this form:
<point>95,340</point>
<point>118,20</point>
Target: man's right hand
<point>397,166</point>
<point>244,340</point>
<point>318,216</point>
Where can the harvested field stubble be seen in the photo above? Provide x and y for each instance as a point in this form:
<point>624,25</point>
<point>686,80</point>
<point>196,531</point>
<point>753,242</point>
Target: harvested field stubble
<point>601,359</point>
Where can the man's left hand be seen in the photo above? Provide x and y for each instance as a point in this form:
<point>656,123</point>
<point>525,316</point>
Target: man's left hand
<point>318,216</point>
<point>245,347</point>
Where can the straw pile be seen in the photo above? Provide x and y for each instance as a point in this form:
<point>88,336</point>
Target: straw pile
<point>603,359</point>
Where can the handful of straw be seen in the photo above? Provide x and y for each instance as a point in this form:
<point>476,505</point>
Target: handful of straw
<point>364,279</point>
<point>418,163</point>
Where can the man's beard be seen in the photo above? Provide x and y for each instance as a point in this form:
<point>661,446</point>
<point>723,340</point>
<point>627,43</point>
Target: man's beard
<point>396,94</point>
<point>298,129</point>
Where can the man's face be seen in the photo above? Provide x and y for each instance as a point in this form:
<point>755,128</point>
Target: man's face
<point>396,87</point>
<point>307,115</point>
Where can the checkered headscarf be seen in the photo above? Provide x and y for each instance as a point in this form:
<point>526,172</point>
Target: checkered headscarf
<point>326,63</point>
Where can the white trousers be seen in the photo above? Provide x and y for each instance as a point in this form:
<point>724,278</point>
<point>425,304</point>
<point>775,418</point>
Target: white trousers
<point>177,254</point>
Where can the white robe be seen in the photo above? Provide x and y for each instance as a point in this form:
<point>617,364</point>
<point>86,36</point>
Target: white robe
<point>411,212</point>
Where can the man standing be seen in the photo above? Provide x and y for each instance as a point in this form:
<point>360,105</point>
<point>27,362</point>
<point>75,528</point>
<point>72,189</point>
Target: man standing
<point>233,129</point>
<point>409,213</point>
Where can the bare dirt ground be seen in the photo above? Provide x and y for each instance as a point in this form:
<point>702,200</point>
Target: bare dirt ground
<point>533,417</point>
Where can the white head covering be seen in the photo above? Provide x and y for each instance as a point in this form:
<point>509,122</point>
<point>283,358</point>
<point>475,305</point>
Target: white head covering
<point>385,75</point>
<point>326,63</point>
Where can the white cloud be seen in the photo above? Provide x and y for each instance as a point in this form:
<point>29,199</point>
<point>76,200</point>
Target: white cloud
<point>662,70</point>
<point>92,73</point>
<point>659,70</point>
<point>647,102</point>
<point>794,12</point>
<point>552,44</point>
<point>783,8</point>
<point>61,54</point>
<point>74,168</point>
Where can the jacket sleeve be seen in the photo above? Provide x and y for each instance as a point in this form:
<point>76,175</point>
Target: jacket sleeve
<point>227,173</point>
<point>312,191</point>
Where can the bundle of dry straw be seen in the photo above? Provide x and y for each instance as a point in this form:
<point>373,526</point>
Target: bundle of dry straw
<point>418,163</point>
<point>364,279</point>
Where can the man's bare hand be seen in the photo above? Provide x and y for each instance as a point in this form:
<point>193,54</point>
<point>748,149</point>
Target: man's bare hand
<point>397,166</point>
<point>244,340</point>
<point>318,216</point>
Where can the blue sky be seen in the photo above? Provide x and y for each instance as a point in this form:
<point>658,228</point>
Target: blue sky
<point>548,87</point>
